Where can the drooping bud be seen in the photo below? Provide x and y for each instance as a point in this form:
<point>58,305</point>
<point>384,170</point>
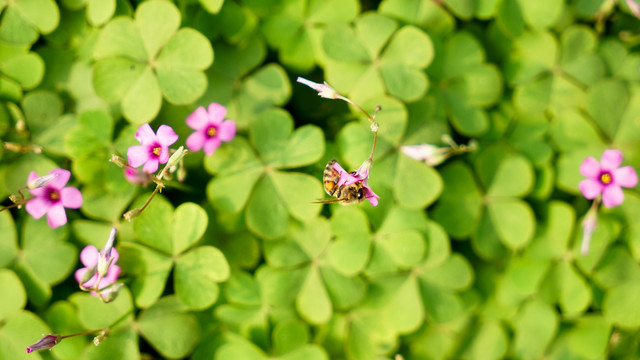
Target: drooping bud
<point>432,155</point>
<point>111,293</point>
<point>47,342</point>
<point>588,226</point>
<point>118,161</point>
<point>324,90</point>
<point>132,214</point>
<point>105,258</point>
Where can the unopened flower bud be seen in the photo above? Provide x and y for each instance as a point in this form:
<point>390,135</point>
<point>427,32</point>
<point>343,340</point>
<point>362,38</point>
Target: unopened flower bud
<point>118,161</point>
<point>175,158</point>
<point>432,155</point>
<point>47,342</point>
<point>323,90</point>
<point>111,293</point>
<point>132,214</point>
<point>41,181</point>
<point>15,199</point>
<point>88,275</point>
<point>100,337</point>
<point>104,258</point>
<point>588,226</point>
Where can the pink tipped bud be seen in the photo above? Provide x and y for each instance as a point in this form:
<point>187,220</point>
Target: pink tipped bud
<point>47,342</point>
<point>41,181</point>
<point>105,258</point>
<point>432,155</point>
<point>588,226</point>
<point>323,90</point>
<point>118,161</point>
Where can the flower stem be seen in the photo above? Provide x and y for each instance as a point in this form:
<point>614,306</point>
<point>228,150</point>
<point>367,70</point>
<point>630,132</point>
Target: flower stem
<point>81,333</point>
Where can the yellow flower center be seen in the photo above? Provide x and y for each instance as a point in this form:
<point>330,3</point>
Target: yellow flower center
<point>156,150</point>
<point>54,196</point>
<point>211,131</point>
<point>605,178</point>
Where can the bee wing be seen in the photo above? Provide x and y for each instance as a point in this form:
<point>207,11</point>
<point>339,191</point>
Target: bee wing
<point>327,201</point>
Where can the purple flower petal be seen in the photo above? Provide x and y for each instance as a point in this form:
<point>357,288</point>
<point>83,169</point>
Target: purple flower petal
<point>195,141</point>
<point>211,145</point>
<point>79,275</point>
<point>145,134</point>
<point>345,177</point>
<point>166,135</point>
<point>150,166</point>
<point>199,119</point>
<point>371,196</point>
<point>89,256</point>
<point>612,196</point>
<point>590,188</point>
<point>137,155</point>
<point>61,179</point>
<point>217,113</point>
<point>610,160</point>
<point>37,207</point>
<point>71,197</point>
<point>625,176</point>
<point>590,168</point>
<point>56,216</point>
<point>227,130</point>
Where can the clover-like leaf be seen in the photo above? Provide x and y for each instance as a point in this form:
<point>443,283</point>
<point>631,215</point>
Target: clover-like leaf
<point>9,240</point>
<point>18,330</point>
<point>536,324</point>
<point>12,294</point>
<point>197,274</point>
<point>416,184</point>
<point>24,20</point>
<point>313,302</point>
<point>143,59</point>
<point>424,13</point>
<point>151,269</point>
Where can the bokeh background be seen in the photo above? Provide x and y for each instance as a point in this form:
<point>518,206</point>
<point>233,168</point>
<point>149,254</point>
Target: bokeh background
<point>475,258</point>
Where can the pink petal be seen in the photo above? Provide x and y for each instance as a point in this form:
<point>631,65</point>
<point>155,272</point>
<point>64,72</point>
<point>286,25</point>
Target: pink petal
<point>590,188</point>
<point>89,256</point>
<point>150,166</point>
<point>195,141</point>
<point>145,134</point>
<point>79,274</point>
<point>211,145</point>
<point>345,177</point>
<point>61,179</point>
<point>371,196</point>
<point>56,216</point>
<point>71,197</point>
<point>37,207</point>
<point>590,168</point>
<point>166,135</point>
<point>217,113</point>
<point>112,276</point>
<point>199,119</point>
<point>32,176</point>
<point>115,255</point>
<point>227,130</point>
<point>612,196</point>
<point>625,176</point>
<point>634,7</point>
<point>137,155</point>
<point>164,155</point>
<point>610,159</point>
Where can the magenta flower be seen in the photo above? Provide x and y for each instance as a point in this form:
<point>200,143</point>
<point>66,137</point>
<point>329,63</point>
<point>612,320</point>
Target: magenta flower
<point>154,149</point>
<point>210,128</point>
<point>606,178</point>
<point>53,197</point>
<point>362,174</point>
<point>47,342</point>
<point>87,276</point>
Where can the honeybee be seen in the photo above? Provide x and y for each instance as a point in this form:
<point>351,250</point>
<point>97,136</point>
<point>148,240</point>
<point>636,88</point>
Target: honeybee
<point>345,194</point>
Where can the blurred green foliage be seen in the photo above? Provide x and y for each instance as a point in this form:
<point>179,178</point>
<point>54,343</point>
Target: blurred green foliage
<point>477,258</point>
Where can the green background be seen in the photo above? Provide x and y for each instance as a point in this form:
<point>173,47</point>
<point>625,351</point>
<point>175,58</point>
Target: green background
<point>477,258</point>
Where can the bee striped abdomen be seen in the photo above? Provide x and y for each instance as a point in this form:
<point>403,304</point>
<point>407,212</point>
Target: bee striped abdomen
<point>330,178</point>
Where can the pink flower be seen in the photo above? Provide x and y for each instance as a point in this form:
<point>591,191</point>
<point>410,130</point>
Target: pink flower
<point>47,342</point>
<point>154,149</point>
<point>362,174</point>
<point>137,176</point>
<point>88,275</point>
<point>210,128</point>
<point>53,197</point>
<point>634,7</point>
<point>606,178</point>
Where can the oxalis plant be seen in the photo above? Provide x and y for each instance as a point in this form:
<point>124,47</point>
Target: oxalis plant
<point>463,187</point>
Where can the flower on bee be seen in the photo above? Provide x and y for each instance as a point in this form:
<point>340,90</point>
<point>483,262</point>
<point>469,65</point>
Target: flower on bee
<point>210,128</point>
<point>52,197</point>
<point>153,148</point>
<point>607,178</point>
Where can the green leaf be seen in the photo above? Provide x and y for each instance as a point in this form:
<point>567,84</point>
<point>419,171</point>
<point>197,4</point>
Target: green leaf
<point>575,295</point>
<point>552,237</point>
<point>514,222</point>
<point>405,313</point>
<point>113,78</point>
<point>43,14</point>
<point>455,273</point>
<point>535,326</point>
<point>541,14</point>
<point>9,240</point>
<point>103,203</point>
<point>120,38</point>
<point>489,341</point>
<point>313,302</point>
<point>416,184</point>
<point>16,29</point>
<point>12,294</point>
<point>196,275</point>
<point>298,191</point>
<point>267,212</point>
<point>169,328</point>
<point>20,329</point>
<point>150,269</point>
<point>460,203</point>
<point>26,69</point>
<point>154,226</point>
<point>189,223</point>
<point>240,350</point>
<point>344,291</point>
<point>606,102</point>
<point>405,248</point>
<point>94,314</point>
<point>340,43</point>
<point>304,147</point>
<point>618,306</point>
<point>212,6</point>
<point>350,251</point>
<point>157,21</point>
<point>513,177</point>
<point>180,64</point>
<point>100,11</point>
<point>590,336</point>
